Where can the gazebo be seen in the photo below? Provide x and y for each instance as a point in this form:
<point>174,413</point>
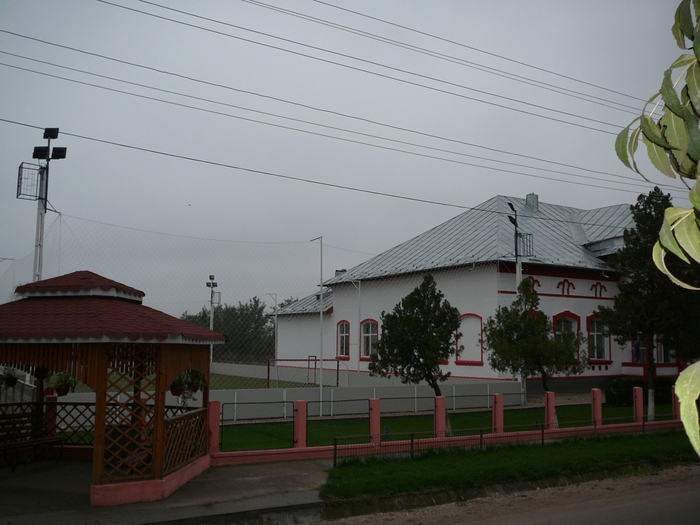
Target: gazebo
<point>97,331</point>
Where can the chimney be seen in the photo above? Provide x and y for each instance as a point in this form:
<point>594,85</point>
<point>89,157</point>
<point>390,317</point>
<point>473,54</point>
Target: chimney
<point>532,202</point>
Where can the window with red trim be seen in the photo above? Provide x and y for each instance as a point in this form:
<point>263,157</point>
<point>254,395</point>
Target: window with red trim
<point>471,326</point>
<point>343,340</point>
<point>369,329</point>
<point>598,341</point>
<point>566,322</point>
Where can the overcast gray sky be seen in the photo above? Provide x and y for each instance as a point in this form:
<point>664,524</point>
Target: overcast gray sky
<point>287,120</point>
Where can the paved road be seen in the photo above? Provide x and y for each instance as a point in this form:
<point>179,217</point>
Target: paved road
<point>668,497</point>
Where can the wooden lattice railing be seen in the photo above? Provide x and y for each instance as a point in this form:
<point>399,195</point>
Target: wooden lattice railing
<point>185,438</point>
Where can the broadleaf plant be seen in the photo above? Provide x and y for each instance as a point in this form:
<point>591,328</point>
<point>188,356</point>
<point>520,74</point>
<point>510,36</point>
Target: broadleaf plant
<point>671,134</point>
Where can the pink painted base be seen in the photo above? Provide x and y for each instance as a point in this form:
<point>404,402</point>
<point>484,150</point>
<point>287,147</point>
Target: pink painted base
<point>150,490</point>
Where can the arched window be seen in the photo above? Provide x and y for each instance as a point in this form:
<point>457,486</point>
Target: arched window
<point>473,352</point>
<point>343,340</point>
<point>566,322</point>
<point>370,334</point>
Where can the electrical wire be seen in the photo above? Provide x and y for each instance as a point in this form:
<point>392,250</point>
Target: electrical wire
<point>306,106</point>
<point>425,77</point>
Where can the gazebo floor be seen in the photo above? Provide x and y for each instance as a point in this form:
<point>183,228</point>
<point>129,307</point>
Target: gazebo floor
<point>58,493</point>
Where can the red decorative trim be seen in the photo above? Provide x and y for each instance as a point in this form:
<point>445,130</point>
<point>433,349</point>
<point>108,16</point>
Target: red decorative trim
<point>566,287</point>
<point>600,362</point>
<point>567,315</point>
<point>510,292</point>
<point>543,270</point>
<point>343,358</point>
<point>469,363</point>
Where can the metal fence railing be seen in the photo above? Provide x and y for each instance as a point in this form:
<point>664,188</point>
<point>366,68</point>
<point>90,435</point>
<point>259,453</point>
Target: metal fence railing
<point>413,444</point>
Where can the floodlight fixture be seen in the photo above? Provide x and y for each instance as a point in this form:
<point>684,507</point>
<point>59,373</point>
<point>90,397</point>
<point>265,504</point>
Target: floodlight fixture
<point>40,152</point>
<point>513,220</point>
<point>58,153</point>
<point>50,133</point>
<point>510,204</point>
<point>211,277</point>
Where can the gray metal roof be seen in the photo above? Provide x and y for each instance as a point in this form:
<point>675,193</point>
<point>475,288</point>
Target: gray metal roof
<point>561,235</point>
<point>309,304</point>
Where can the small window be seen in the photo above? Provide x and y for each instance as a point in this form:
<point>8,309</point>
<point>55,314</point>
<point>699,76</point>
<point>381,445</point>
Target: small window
<point>343,340</point>
<point>370,334</point>
<point>565,322</point>
<point>598,342</point>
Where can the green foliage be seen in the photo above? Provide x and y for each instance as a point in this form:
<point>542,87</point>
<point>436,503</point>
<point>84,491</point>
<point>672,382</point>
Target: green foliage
<point>250,332</point>
<point>455,469</point>
<point>417,337</point>
<point>687,390</point>
<point>648,304</point>
<point>520,340</point>
<point>618,392</point>
<point>669,128</point>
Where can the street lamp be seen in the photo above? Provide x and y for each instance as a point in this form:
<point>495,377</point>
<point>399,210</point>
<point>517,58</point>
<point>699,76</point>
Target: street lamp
<point>518,266</point>
<point>214,299</point>
<point>43,153</point>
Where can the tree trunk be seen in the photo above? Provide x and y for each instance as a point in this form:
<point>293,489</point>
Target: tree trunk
<point>651,378</point>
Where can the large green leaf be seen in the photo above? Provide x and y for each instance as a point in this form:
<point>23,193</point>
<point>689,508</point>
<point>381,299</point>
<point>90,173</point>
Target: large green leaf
<point>692,78</point>
<point>659,257</point>
<point>684,61</point>
<point>684,19</point>
<point>666,236</point>
<point>674,131</point>
<point>669,95</point>
<point>659,158</point>
<point>695,196</point>
<point>652,131</point>
<point>687,390</point>
<point>687,234</point>
<point>693,133</point>
<point>621,146</point>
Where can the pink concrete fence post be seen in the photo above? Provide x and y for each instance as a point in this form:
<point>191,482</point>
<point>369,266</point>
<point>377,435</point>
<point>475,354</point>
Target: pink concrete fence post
<point>50,414</point>
<point>214,426</point>
<point>300,424</point>
<point>638,404</point>
<point>596,407</point>
<point>375,428</point>
<point>550,411</point>
<point>439,419</point>
<point>675,403</point>
<point>497,413</point>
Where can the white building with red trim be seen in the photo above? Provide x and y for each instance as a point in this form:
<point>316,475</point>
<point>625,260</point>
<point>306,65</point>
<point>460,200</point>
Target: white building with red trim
<point>472,258</point>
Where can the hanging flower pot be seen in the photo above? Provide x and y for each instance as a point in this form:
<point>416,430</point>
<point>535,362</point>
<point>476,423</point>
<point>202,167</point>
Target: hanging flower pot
<point>10,381</point>
<point>194,387</point>
<point>62,390</point>
<point>177,390</point>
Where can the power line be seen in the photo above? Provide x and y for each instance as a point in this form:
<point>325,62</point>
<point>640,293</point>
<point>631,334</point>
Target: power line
<point>292,178</point>
<point>306,106</point>
<point>480,51</point>
<point>634,181</point>
<point>355,68</point>
<point>353,141</point>
<point>456,60</point>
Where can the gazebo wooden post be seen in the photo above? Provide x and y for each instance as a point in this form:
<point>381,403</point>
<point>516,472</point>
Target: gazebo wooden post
<point>100,378</point>
<point>159,412</point>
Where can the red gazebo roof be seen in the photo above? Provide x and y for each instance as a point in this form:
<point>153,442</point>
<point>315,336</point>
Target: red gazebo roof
<point>84,306</point>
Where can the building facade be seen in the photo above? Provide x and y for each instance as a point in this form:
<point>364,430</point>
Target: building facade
<point>472,258</point>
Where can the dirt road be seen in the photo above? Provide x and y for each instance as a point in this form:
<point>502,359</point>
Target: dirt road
<point>670,496</point>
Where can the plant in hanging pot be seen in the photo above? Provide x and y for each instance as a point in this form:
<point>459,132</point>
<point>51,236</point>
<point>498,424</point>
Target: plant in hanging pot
<point>179,384</point>
<point>196,381</point>
<point>8,377</point>
<point>63,383</point>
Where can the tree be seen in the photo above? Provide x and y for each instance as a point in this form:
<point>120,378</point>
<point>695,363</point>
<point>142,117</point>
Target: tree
<point>417,337</point>
<point>648,306</point>
<point>520,339</point>
<point>250,332</point>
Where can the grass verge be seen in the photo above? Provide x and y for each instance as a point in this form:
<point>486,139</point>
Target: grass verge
<point>463,470</point>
